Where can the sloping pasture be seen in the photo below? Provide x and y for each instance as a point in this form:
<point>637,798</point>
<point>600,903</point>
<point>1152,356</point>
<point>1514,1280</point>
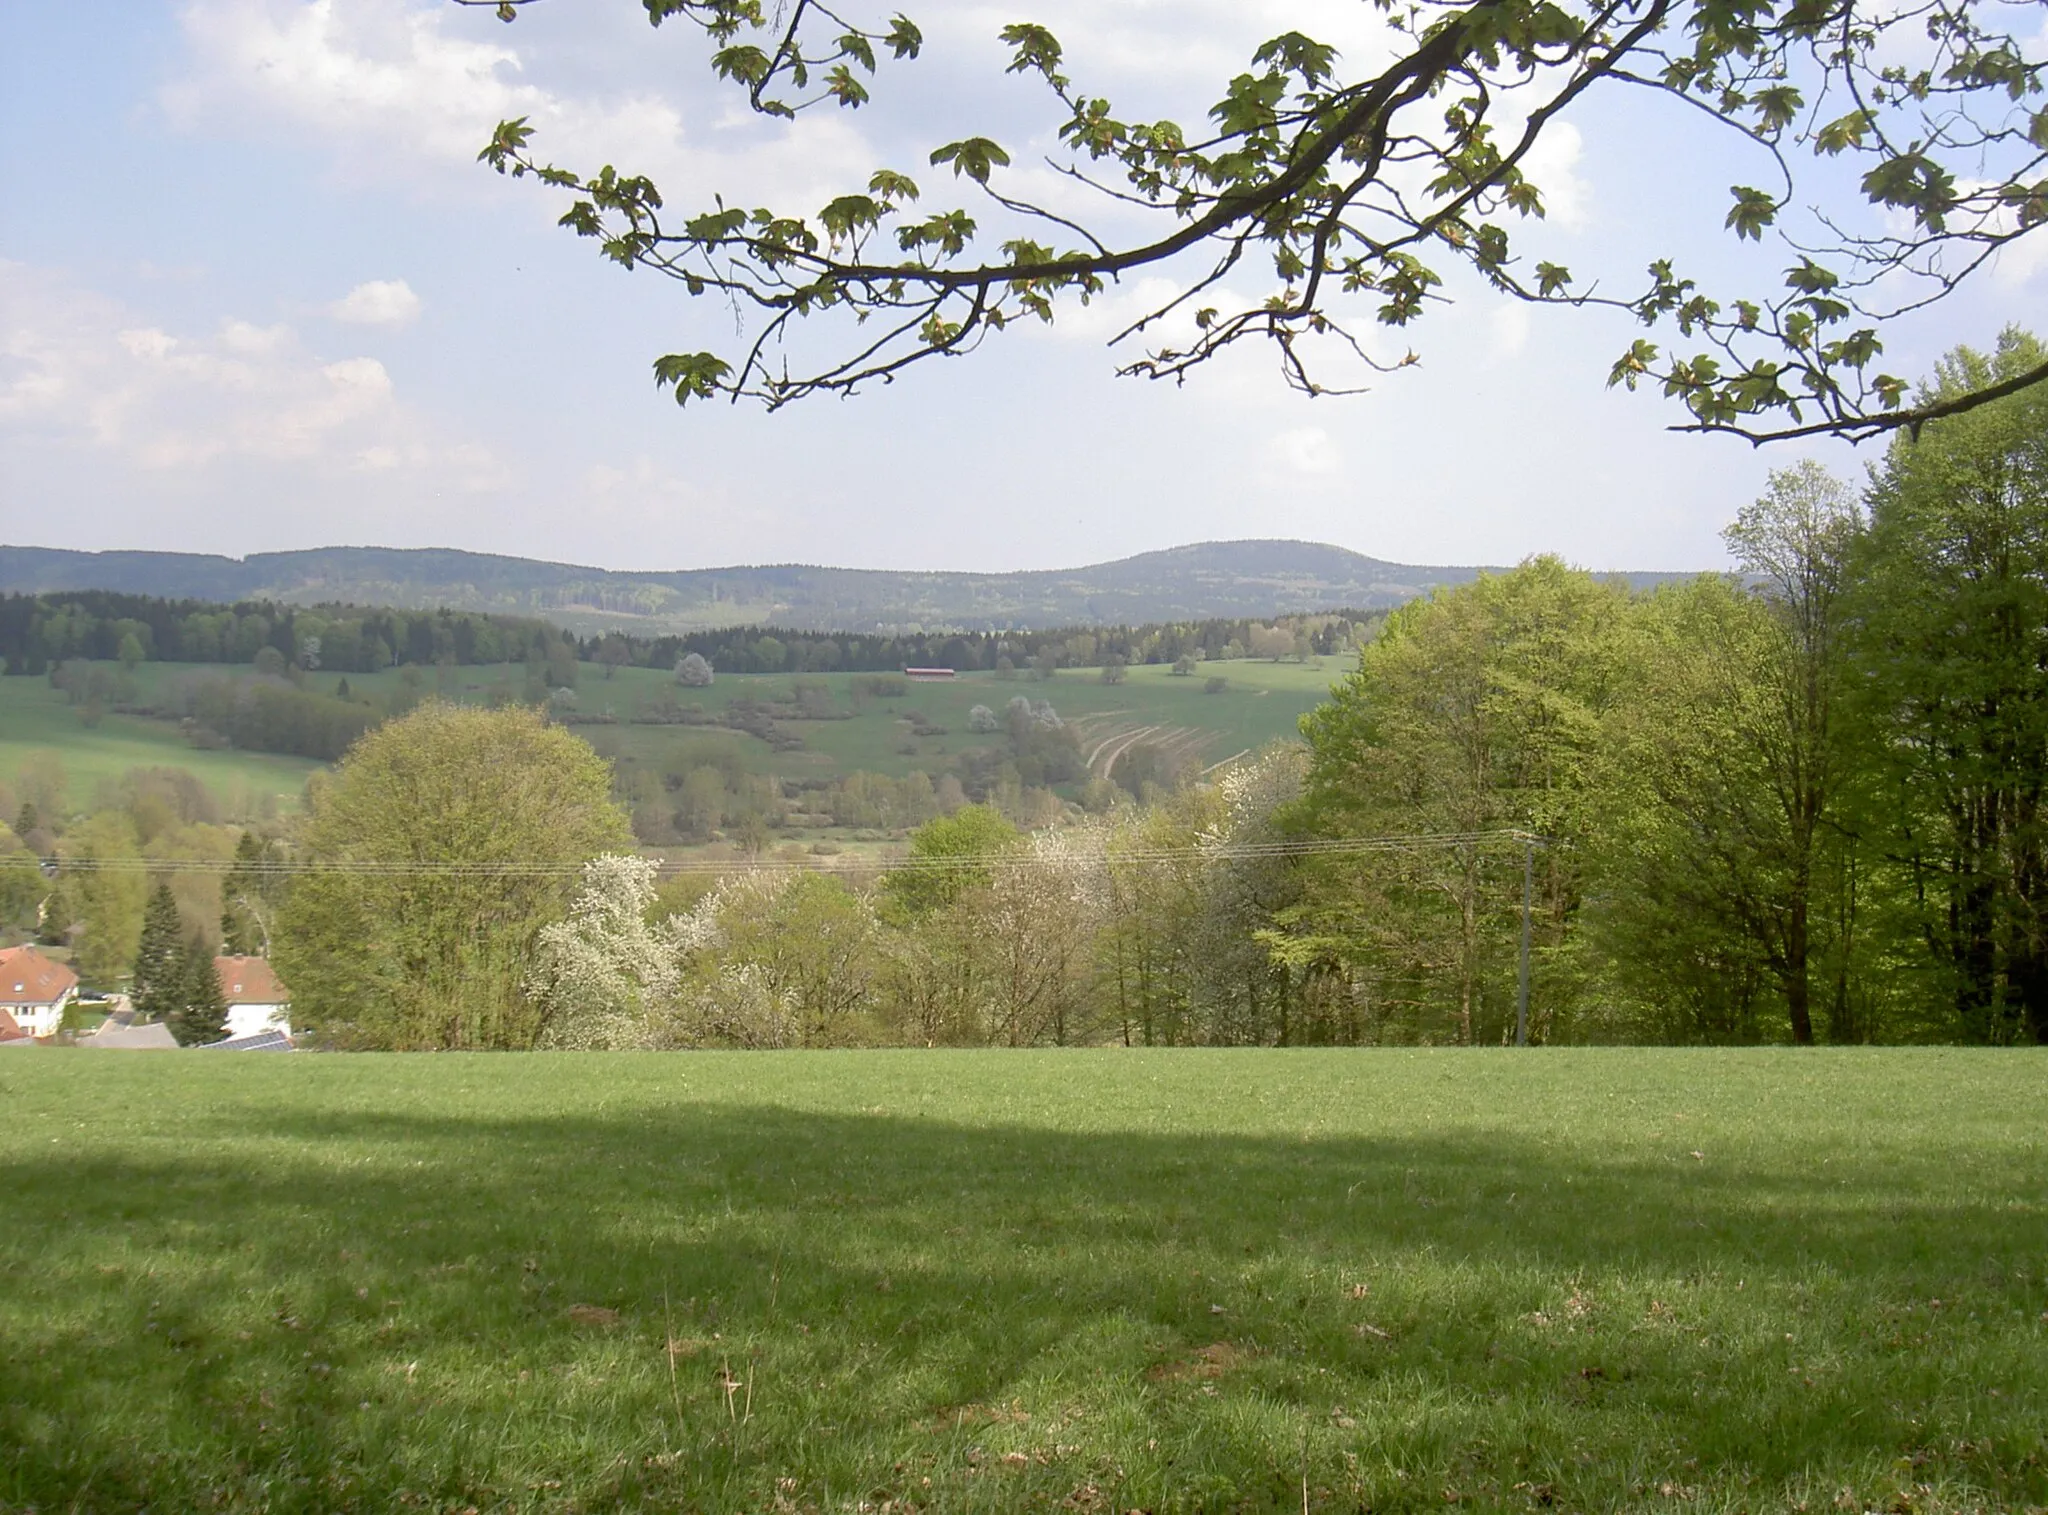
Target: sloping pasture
<point>1083,1281</point>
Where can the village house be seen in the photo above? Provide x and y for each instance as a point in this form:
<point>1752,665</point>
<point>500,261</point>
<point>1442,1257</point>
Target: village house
<point>35,991</point>
<point>256,999</point>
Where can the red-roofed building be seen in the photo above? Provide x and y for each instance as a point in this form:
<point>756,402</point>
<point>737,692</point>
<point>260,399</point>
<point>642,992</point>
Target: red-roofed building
<point>256,998</point>
<point>35,990</point>
<point>9,1031</point>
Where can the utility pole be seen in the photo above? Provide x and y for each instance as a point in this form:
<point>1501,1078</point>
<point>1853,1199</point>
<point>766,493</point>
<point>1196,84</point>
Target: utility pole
<point>1522,980</point>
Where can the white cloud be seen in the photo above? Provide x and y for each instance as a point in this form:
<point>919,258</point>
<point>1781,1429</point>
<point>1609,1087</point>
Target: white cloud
<point>1552,164</point>
<point>1508,326</point>
<point>242,337</point>
<point>379,302</point>
<point>79,370</point>
<point>2018,262</point>
<point>1308,450</point>
<point>380,72</point>
<point>404,92</point>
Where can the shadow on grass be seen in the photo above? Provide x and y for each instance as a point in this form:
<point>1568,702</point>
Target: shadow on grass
<point>756,1308</point>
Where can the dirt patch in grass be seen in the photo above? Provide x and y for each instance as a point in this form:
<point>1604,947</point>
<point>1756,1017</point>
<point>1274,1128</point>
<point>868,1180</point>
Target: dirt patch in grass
<point>1216,1360</point>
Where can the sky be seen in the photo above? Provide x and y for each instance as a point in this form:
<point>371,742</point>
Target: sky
<point>257,294</point>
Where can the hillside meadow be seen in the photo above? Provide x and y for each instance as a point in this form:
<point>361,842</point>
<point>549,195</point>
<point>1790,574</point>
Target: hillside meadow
<point>1197,1280</point>
<point>1262,701</point>
<point>37,723</point>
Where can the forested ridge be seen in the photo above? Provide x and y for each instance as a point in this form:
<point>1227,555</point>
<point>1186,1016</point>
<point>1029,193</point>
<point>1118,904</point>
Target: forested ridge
<point>39,631</point>
<point>1199,581</point>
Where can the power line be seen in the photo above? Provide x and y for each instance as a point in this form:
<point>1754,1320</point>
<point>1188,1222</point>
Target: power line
<point>1010,859</point>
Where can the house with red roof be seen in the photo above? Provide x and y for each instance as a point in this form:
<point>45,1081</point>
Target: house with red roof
<point>256,998</point>
<point>35,990</point>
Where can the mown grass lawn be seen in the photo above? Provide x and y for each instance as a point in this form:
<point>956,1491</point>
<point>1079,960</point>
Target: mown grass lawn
<point>1573,1280</point>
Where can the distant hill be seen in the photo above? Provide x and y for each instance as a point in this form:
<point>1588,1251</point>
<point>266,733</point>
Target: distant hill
<point>1256,578</point>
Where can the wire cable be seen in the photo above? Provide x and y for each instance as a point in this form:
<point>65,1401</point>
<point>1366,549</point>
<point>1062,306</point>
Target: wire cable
<point>1023,857</point>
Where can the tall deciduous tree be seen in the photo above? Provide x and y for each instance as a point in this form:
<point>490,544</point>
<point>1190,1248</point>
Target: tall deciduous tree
<point>1365,190</point>
<point>1797,539</point>
<point>1691,864</point>
<point>440,847</point>
<point>104,897</point>
<point>248,896</point>
<point>1952,659</point>
<point>22,885</point>
<point>1476,712</point>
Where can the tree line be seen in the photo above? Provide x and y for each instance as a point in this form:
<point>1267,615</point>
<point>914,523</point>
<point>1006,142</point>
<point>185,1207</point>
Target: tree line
<point>768,649</point>
<point>1800,802</point>
<point>40,632</point>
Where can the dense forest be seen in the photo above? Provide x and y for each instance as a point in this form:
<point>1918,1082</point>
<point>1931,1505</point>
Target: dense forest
<point>39,631</point>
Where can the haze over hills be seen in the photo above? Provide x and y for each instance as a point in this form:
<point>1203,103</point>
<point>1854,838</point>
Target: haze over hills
<point>1205,579</point>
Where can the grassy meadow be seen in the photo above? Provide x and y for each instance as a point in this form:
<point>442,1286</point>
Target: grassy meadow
<point>1090,1281</point>
<point>1263,701</point>
<point>36,722</point>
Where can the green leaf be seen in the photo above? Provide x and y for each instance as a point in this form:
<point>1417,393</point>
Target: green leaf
<point>1808,277</point>
<point>892,186</point>
<point>904,39</point>
<point>849,214</point>
<point>1915,182</point>
<point>693,375</point>
<point>1037,50</point>
<point>1776,107</point>
<point>973,157</point>
<point>855,46</point>
<point>1633,365</point>
<point>1752,212</point>
<point>1291,52</point>
<point>843,87</point>
<point>1840,135</point>
<point>506,142</point>
<point>743,63</point>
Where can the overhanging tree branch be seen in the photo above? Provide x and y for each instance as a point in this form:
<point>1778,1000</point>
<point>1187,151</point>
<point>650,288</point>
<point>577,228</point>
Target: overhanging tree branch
<point>1360,191</point>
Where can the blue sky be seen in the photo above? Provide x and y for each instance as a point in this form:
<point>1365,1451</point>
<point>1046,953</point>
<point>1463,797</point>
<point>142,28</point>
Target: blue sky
<point>255,294</point>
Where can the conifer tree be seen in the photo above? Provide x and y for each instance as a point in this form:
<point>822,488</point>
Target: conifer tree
<point>157,983</point>
<point>201,1014</point>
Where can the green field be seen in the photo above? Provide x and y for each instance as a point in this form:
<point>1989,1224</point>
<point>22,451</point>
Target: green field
<point>35,719</point>
<point>1094,1281</point>
<point>1263,702</point>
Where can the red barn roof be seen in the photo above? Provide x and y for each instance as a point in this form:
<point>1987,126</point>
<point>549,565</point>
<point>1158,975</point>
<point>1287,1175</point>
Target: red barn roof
<point>29,978</point>
<point>250,981</point>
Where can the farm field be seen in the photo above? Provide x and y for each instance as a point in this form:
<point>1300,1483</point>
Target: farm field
<point>1262,701</point>
<point>35,719</point>
<point>1108,1280</point>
